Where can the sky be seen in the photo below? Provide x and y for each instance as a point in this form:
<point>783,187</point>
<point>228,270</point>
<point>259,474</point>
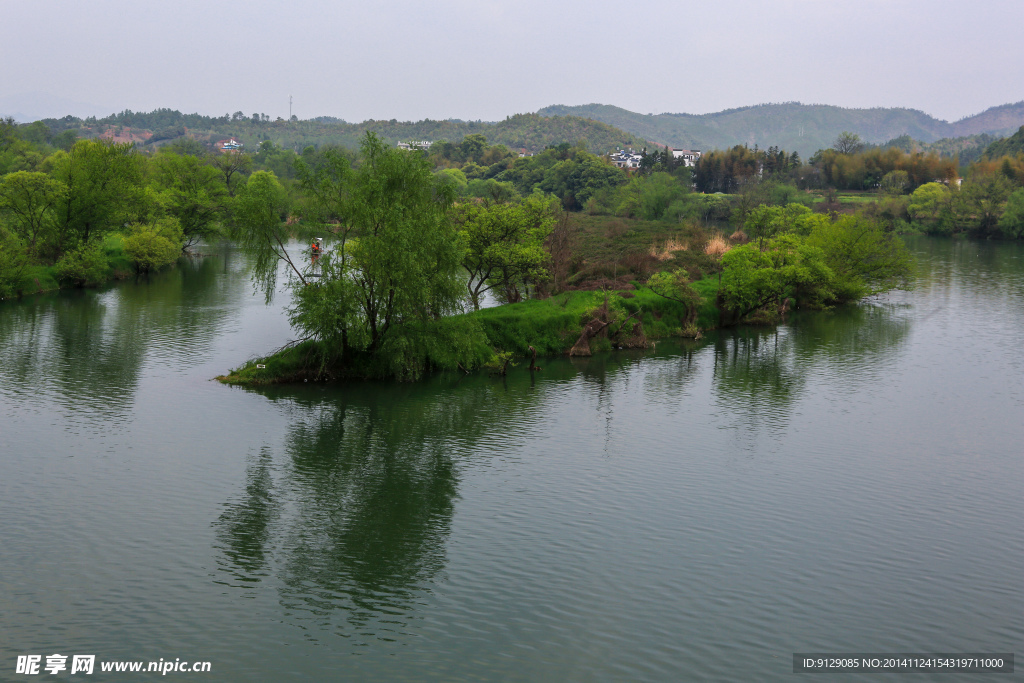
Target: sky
<point>488,59</point>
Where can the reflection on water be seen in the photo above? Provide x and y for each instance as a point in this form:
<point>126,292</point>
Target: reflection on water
<point>244,526</point>
<point>84,350</point>
<point>357,510</point>
<point>760,374</point>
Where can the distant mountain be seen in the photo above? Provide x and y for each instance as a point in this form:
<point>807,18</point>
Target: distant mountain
<point>805,128</point>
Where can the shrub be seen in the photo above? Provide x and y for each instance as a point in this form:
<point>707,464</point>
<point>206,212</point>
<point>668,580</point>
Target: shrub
<point>153,246</point>
<point>13,261</point>
<point>86,266</point>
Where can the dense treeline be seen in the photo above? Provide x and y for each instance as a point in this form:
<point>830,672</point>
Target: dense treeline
<point>965,150</point>
<point>896,187</point>
<point>404,256</point>
<point>78,212</point>
<point>522,131</point>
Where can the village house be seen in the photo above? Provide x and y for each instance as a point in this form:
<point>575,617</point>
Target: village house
<point>229,145</point>
<point>625,158</point>
<point>415,144</point>
<point>689,156</point>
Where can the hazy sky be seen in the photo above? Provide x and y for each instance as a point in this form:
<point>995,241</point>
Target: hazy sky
<point>486,59</point>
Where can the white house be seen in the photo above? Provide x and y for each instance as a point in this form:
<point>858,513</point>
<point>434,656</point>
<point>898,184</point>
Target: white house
<point>689,156</point>
<point>415,144</point>
<point>625,158</point>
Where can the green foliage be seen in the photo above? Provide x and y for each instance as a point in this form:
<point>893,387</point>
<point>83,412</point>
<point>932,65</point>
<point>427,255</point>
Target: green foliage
<point>1010,146</point>
<point>929,207</point>
<point>504,246</point>
<point>976,208</point>
<point>259,214</point>
<point>456,178</point>
<point>154,245</point>
<point>192,191</point>
<point>28,199</point>
<point>766,222</point>
<point>85,266</point>
<point>755,279</point>
<point>393,273</point>
<point>234,168</point>
<point>657,193</point>
<point>570,173</point>
<point>104,190</point>
<point>675,286</point>
<point>1011,223</point>
<point>863,257</point>
<point>491,189</point>
<point>13,262</point>
<point>895,182</point>
<point>406,258</point>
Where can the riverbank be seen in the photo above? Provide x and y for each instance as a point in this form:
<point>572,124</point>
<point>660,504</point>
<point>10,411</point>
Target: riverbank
<point>551,327</point>
<point>37,279</point>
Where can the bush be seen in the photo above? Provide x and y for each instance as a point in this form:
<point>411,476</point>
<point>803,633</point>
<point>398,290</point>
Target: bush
<point>13,262</point>
<point>153,246</point>
<point>1011,223</point>
<point>86,266</point>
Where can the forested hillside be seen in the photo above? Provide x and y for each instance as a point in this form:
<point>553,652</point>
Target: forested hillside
<point>804,128</point>
<point>1010,146</point>
<point>531,132</point>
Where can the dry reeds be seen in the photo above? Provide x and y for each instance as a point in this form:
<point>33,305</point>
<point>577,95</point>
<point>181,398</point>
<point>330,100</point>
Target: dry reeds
<point>668,251</point>
<point>717,246</point>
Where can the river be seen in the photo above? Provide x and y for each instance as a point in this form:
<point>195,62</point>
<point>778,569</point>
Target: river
<point>847,482</point>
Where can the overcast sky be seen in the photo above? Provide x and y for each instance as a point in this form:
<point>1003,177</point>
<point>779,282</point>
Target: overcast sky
<point>486,59</point>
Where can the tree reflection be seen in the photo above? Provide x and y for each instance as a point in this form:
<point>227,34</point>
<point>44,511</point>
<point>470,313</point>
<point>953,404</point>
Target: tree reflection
<point>369,472</point>
<point>243,529</point>
<point>369,482</point>
<point>760,373</point>
<point>85,349</point>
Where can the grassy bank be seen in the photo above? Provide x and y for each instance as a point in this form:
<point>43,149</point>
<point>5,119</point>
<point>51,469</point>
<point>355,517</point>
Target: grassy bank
<point>551,326</point>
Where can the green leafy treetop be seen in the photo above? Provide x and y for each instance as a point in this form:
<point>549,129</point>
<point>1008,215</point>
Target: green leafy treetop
<point>391,271</point>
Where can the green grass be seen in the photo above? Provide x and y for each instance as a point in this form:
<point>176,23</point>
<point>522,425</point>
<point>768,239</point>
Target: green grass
<point>550,325</point>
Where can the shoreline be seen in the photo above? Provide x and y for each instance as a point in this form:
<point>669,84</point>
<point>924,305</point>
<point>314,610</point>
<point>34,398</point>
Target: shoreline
<point>512,334</point>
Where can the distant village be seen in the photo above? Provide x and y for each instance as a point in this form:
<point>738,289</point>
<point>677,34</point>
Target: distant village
<point>627,158</point>
<point>623,158</point>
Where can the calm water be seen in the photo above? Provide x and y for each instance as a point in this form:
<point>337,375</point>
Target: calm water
<point>850,481</point>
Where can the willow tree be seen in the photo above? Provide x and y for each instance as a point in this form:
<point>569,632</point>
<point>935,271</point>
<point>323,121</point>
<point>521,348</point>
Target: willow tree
<point>390,273</point>
<point>259,212</point>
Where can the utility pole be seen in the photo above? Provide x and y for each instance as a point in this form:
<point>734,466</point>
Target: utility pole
<point>289,107</point>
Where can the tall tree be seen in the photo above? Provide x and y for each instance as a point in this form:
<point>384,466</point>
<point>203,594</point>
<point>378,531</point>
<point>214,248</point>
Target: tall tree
<point>260,212</point>
<point>104,190</point>
<point>29,199</point>
<point>504,246</point>
<point>191,191</point>
<point>848,143</point>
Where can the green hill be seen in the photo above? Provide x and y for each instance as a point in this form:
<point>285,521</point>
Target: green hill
<point>804,128</point>
<point>532,132</point>
<point>1010,146</point>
